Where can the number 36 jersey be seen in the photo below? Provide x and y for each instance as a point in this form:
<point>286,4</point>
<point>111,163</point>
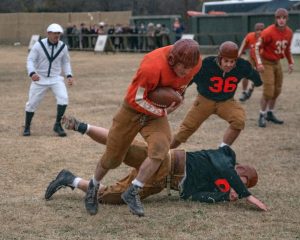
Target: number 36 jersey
<point>213,83</point>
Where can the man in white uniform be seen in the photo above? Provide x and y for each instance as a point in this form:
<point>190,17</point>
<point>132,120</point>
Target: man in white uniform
<point>45,63</point>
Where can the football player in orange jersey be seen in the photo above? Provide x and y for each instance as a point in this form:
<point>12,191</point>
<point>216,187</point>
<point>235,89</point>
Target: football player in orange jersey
<point>274,44</point>
<point>171,66</point>
<point>249,43</point>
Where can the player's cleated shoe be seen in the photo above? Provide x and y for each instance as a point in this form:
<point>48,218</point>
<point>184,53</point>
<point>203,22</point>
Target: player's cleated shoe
<point>243,97</point>
<point>132,199</point>
<point>272,118</point>
<point>64,179</point>
<point>59,130</point>
<point>71,123</point>
<point>26,131</point>
<point>262,120</point>
<point>91,200</point>
<point>250,91</point>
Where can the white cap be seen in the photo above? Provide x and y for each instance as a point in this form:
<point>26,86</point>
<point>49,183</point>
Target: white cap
<point>54,27</point>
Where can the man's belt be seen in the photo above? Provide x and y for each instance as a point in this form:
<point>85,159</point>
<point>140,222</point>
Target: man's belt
<point>178,158</point>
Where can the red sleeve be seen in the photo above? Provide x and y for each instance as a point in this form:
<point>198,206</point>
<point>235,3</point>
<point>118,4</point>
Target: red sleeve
<point>146,79</point>
<point>288,52</point>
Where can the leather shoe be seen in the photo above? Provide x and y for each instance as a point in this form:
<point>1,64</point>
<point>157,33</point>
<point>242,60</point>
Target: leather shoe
<point>272,118</point>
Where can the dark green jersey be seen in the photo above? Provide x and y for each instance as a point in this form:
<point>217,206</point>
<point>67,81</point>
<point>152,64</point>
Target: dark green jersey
<point>209,176</point>
<point>216,85</point>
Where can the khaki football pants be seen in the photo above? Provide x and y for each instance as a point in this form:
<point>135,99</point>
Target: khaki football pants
<point>168,175</point>
<point>272,78</point>
<point>202,108</point>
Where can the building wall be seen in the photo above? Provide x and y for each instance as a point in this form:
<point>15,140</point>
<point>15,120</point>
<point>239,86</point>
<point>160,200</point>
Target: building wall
<point>19,27</point>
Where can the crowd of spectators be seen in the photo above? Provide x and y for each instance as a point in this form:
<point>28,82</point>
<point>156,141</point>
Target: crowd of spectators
<point>141,37</point>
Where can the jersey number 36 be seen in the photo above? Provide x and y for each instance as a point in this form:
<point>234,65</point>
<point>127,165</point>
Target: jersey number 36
<point>226,85</point>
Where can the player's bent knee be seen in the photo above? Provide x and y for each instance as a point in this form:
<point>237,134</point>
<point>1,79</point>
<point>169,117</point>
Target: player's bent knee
<point>110,164</point>
<point>238,124</point>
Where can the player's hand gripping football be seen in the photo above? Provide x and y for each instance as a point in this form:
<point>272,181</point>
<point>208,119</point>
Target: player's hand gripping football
<point>173,106</point>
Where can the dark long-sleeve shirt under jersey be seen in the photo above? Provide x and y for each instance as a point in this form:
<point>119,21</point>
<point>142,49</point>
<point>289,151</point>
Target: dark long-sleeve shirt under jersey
<point>209,176</point>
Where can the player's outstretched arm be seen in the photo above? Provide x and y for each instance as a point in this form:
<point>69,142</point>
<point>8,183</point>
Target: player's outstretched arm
<point>253,200</point>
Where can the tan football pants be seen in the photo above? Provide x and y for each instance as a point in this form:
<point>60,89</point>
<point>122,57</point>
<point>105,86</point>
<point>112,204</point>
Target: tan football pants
<point>127,123</point>
<point>202,108</point>
<point>272,78</point>
<point>168,175</point>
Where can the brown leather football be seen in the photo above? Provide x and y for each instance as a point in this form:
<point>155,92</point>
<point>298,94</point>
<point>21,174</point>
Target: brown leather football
<point>164,96</point>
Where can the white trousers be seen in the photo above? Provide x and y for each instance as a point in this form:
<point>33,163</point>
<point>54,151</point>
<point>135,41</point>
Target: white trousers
<point>38,90</point>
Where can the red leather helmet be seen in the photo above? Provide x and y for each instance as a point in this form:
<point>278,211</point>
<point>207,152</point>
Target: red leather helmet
<point>185,51</point>
<point>259,26</point>
<point>249,172</point>
<point>228,49</point>
<point>281,12</point>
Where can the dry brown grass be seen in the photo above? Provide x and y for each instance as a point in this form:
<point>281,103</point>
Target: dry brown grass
<point>29,163</point>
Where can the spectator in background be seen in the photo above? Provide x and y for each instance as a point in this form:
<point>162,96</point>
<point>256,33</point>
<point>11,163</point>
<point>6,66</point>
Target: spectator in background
<point>69,35</point>
<point>133,40</point>
<point>150,36</point>
<point>178,29</point>
<point>165,35</point>
<point>111,30</point>
<point>101,29</point>
<point>94,30</point>
<point>118,41</point>
<point>126,38</point>
<point>111,38</point>
<point>75,36</point>
<point>142,36</point>
<point>158,38</point>
<point>84,31</point>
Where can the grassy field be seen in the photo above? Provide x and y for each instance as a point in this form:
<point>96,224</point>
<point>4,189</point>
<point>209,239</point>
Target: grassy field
<point>28,164</point>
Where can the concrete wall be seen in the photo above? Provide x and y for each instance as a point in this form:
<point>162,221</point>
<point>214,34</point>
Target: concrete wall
<point>18,27</point>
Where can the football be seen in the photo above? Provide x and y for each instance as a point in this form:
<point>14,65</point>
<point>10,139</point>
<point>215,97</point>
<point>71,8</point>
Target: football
<point>164,97</point>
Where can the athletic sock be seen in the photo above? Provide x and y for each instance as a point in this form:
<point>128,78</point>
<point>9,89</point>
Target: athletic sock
<point>262,112</point>
<point>95,182</point>
<point>223,144</point>
<point>76,182</point>
<point>137,183</point>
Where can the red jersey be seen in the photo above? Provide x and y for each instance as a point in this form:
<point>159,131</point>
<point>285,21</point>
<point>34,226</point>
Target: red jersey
<point>249,43</point>
<point>276,43</point>
<point>155,71</point>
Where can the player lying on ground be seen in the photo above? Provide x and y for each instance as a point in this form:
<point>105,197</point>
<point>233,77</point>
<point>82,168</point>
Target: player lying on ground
<point>211,175</point>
